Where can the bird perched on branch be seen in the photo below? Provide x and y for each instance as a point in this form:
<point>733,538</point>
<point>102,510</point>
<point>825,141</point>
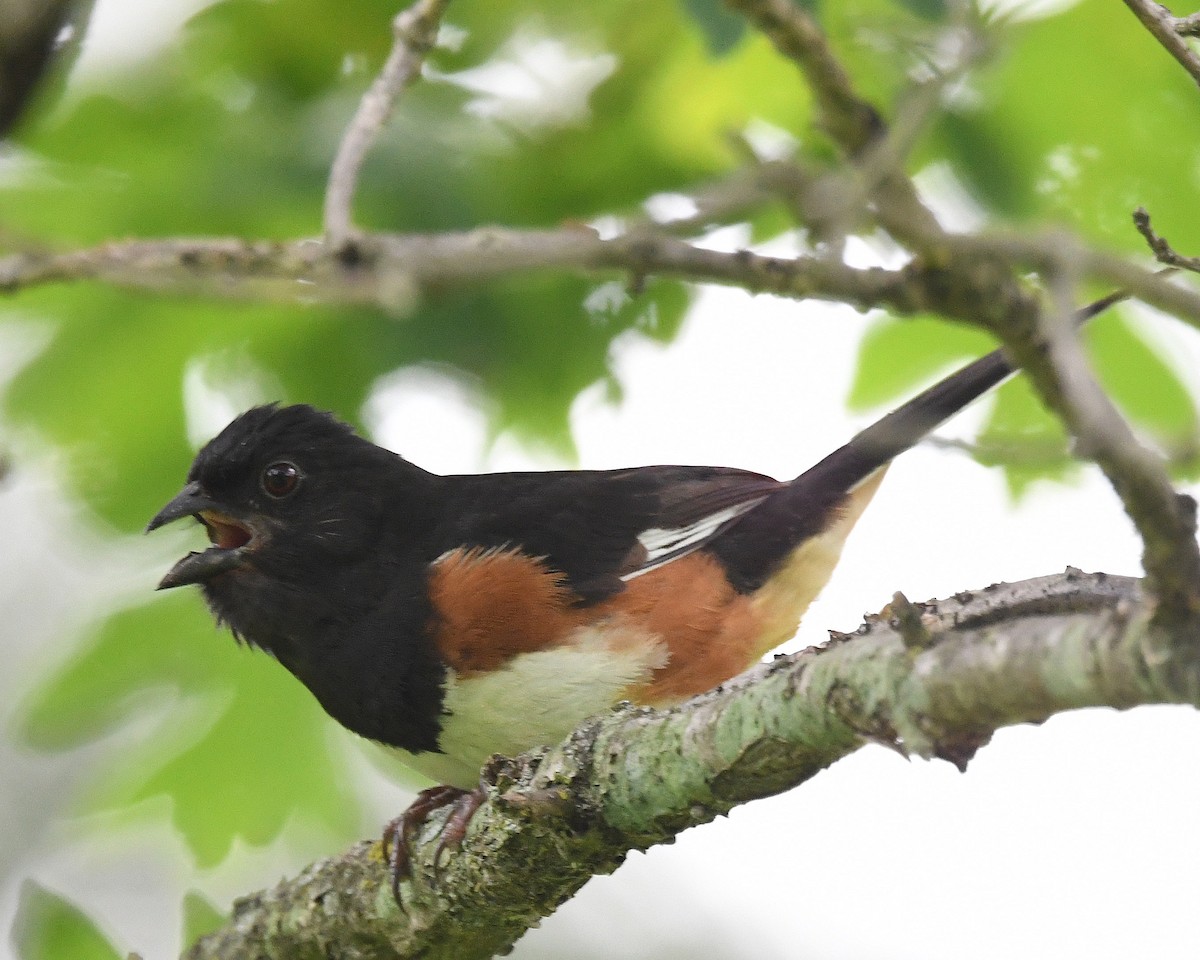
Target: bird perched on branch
<point>455,617</point>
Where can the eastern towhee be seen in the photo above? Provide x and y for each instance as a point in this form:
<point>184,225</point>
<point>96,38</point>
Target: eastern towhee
<point>455,617</point>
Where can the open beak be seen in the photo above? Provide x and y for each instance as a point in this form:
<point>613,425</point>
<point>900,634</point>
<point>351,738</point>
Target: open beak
<point>231,537</point>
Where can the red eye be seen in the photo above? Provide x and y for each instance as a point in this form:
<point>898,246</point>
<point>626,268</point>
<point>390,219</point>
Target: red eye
<point>280,479</point>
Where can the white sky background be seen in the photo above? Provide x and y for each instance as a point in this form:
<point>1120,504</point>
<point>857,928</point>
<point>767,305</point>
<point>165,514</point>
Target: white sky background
<point>1077,839</point>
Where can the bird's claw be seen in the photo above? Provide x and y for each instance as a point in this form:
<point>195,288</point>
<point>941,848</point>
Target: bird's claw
<point>399,834</point>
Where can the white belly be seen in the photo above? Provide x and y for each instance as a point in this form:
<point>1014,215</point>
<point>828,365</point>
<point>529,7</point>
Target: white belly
<point>536,699</point>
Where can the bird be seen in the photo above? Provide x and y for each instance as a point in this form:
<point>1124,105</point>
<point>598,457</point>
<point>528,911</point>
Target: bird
<point>451,618</point>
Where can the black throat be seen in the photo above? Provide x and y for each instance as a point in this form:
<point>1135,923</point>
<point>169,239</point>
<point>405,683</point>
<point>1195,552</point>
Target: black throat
<point>372,667</point>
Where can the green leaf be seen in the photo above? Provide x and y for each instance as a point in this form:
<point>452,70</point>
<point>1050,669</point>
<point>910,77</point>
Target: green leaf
<point>263,760</point>
<point>932,10</point>
<point>241,750</point>
<point>50,927</point>
<point>142,659</point>
<point>721,28</point>
<point>1028,441</point>
<point>1085,162</point>
<point>299,48</point>
<point>989,154</point>
<point>899,357</point>
<point>200,917</point>
<point>1143,384</point>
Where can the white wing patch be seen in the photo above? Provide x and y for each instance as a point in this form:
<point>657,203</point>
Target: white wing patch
<point>664,545</point>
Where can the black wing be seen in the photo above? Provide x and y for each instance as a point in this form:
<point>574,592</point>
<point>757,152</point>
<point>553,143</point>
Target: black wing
<point>600,527</point>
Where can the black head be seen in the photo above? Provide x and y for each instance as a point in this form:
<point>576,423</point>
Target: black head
<point>311,527</point>
<point>281,490</point>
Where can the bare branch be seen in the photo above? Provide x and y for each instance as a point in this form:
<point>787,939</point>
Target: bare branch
<point>1042,253</point>
<point>850,119</point>
<point>1047,346</point>
<point>415,31</point>
<point>1007,654</point>
<point>392,270</point>
<point>1165,520</point>
<point>1162,250</point>
<point>1166,29</point>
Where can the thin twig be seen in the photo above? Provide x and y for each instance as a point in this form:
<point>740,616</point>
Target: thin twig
<point>415,31</point>
<point>883,160</point>
<point>850,119</point>
<point>719,201</point>
<point>1162,250</point>
<point>1166,29</point>
<point>1043,454</point>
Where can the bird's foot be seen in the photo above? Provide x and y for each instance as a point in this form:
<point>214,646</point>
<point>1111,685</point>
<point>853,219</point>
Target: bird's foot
<point>399,834</point>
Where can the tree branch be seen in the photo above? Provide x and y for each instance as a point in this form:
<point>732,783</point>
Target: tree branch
<point>1168,30</point>
<point>415,31</point>
<point>1165,520</point>
<point>393,271</point>
<point>850,119</point>
<point>1163,251</point>
<point>1015,653</point>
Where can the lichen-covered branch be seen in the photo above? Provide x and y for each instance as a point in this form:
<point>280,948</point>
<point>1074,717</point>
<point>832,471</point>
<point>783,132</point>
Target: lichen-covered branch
<point>1015,653</point>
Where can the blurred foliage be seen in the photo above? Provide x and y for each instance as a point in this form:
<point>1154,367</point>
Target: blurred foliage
<point>199,917</point>
<point>900,356</point>
<point>49,927</point>
<point>1077,118</point>
<point>246,745</point>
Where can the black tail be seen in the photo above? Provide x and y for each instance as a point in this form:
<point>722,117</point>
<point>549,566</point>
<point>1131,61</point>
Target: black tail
<point>905,426</point>
<point>909,424</point>
<point>754,545</point>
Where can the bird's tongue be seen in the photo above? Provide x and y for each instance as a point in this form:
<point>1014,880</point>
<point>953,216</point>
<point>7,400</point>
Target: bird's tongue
<point>224,532</point>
